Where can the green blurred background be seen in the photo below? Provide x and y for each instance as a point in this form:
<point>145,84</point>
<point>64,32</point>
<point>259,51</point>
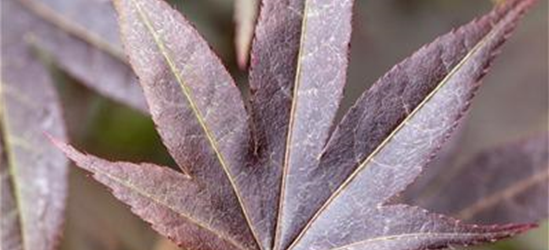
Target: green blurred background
<point>512,103</point>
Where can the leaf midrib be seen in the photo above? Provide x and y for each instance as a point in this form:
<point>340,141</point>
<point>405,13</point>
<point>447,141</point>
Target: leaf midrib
<point>374,153</point>
<point>188,95</point>
<point>289,134</point>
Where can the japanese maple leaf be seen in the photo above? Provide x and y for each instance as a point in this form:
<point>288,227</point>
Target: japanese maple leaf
<point>278,177</point>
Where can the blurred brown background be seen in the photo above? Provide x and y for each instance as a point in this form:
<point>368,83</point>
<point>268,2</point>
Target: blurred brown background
<point>512,103</point>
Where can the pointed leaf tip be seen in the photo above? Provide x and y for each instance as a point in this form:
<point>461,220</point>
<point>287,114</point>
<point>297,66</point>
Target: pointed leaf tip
<point>245,15</point>
<point>69,151</point>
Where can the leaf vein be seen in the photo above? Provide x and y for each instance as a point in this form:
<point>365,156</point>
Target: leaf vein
<point>289,134</point>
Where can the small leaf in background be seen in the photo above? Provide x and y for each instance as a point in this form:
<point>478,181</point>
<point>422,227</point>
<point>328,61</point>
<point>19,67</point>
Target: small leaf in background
<point>82,37</point>
<point>33,173</point>
<point>245,16</point>
<point>501,185</point>
<point>298,187</point>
